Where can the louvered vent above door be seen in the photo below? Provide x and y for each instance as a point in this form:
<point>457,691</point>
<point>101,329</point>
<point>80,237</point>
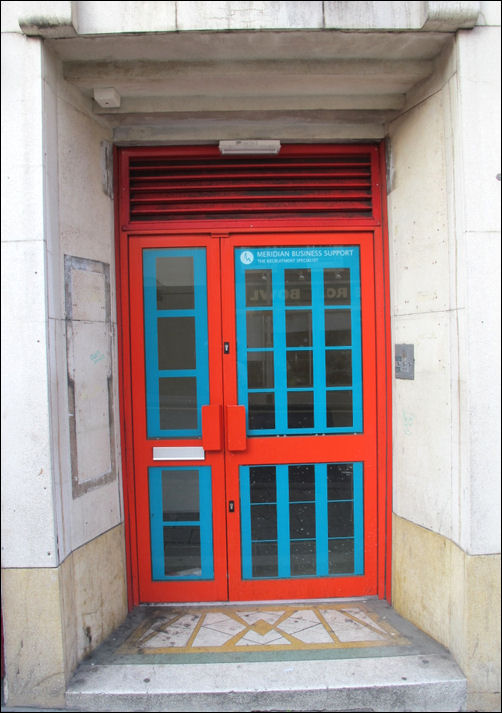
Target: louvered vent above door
<point>176,185</point>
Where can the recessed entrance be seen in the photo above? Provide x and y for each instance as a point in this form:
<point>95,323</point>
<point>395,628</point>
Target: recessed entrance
<point>253,364</point>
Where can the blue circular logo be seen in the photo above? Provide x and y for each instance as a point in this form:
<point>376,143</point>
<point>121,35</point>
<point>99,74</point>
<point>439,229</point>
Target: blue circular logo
<point>247,257</point>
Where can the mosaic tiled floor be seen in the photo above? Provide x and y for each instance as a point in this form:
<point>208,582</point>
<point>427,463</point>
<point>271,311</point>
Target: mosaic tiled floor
<point>234,628</point>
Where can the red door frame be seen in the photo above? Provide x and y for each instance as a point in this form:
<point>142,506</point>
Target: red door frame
<point>222,228</point>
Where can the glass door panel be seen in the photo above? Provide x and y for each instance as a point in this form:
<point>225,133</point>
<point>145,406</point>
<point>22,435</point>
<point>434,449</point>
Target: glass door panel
<point>176,341</point>
<point>181,523</point>
<point>298,315</point>
<point>302,520</point>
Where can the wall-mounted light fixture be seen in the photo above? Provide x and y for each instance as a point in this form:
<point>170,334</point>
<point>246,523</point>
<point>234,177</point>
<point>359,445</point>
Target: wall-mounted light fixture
<point>250,146</point>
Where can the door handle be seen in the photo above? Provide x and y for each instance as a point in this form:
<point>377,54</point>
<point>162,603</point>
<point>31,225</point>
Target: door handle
<point>235,422</point>
<point>212,428</point>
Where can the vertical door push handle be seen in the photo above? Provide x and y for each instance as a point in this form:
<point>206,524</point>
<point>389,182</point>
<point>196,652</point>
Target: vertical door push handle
<point>212,428</point>
<point>235,423</point>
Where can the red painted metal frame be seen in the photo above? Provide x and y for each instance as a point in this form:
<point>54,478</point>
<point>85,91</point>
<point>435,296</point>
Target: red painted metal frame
<point>163,233</point>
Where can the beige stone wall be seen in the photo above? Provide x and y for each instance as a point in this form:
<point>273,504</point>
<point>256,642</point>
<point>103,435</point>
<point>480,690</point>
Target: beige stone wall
<point>55,616</point>
<point>455,598</point>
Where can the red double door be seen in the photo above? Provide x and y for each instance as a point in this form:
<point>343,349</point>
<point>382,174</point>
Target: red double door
<point>253,416</point>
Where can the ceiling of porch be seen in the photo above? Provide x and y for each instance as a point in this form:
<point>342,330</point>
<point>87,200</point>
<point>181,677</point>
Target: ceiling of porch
<point>205,86</point>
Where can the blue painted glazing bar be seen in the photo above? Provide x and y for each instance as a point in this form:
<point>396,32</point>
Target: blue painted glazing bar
<point>246,549</point>
<point>206,523</point>
<point>175,312</point>
<point>201,332</point>
<point>177,372</point>
<point>151,344</point>
<point>156,523</point>
<point>319,346</point>
<point>321,519</point>
<point>280,371</point>
<point>241,326</point>
<point>283,539</point>
<point>357,396</point>
<point>358,519</point>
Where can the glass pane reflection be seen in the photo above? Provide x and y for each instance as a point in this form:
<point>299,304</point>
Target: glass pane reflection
<point>261,410</point>
<point>338,328</point>
<point>339,408</point>
<point>299,328</point>
<point>176,342</point>
<point>337,286</point>
<point>300,368</point>
<point>263,522</point>
<point>262,484</point>
<point>258,288</point>
<point>301,483</point>
<point>341,519</point>
<point>303,558</point>
<point>178,402</point>
<point>338,367</point>
<point>297,287</point>
<point>180,495</point>
<point>175,283</point>
<point>260,370</point>
<point>301,520</point>
<point>182,550</point>
<point>300,409</point>
<point>341,556</point>
<point>265,560</point>
<point>340,481</point>
<point>260,329</point>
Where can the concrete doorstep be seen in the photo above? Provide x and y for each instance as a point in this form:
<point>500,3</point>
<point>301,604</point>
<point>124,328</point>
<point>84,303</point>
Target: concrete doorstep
<point>396,683</point>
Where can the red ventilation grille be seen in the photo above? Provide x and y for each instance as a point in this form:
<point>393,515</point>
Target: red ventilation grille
<point>165,188</point>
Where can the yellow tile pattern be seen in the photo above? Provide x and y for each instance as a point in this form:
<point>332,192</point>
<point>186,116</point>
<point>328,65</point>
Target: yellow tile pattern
<point>233,628</point>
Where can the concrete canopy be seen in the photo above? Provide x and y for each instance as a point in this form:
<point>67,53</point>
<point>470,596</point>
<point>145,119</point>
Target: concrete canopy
<point>204,86</point>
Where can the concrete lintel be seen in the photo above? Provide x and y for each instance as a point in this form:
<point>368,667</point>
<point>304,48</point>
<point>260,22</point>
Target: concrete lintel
<point>90,74</point>
<point>202,130</point>
<point>49,19</point>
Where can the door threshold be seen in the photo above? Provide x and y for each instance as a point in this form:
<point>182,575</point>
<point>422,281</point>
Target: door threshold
<point>261,602</point>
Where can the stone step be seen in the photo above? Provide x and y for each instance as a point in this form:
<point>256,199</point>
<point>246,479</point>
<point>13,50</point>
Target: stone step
<point>395,683</point>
